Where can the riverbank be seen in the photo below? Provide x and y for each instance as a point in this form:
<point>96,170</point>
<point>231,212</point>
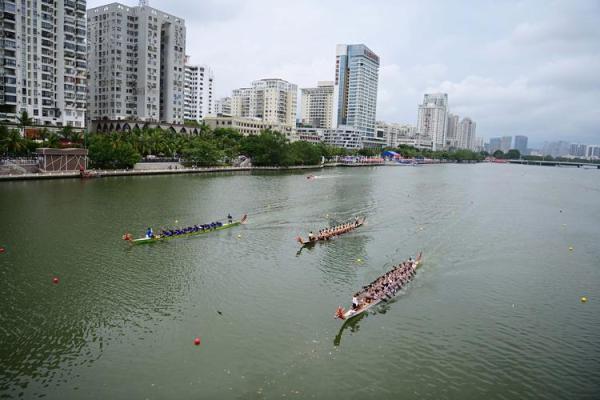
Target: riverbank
<point>131,172</point>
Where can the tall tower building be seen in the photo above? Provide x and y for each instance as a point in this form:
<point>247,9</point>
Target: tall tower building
<point>521,144</point>
<point>199,81</point>
<point>136,66</point>
<point>43,61</point>
<point>355,89</point>
<point>433,119</point>
<point>466,136</point>
<point>317,104</point>
<point>271,100</point>
<point>452,132</point>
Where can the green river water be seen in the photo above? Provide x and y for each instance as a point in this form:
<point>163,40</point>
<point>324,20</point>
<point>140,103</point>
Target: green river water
<point>494,312</point>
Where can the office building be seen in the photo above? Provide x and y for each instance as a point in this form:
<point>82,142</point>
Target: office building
<point>556,149</point>
<point>136,59</point>
<point>521,144</point>
<point>355,93</point>
<point>495,145</point>
<point>198,91</point>
<point>396,134</point>
<point>316,105</point>
<point>271,100</point>
<point>505,143</point>
<point>43,61</point>
<point>432,119</point>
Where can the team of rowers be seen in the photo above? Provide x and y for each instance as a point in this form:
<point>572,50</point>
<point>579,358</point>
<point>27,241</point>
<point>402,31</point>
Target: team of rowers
<point>327,233</point>
<point>384,287</point>
<point>189,229</point>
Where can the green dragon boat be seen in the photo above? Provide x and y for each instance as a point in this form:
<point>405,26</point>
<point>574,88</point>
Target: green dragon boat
<point>161,238</point>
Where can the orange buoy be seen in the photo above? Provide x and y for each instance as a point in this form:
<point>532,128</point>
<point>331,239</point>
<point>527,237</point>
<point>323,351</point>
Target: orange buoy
<point>197,341</point>
<point>2,250</point>
<point>55,280</point>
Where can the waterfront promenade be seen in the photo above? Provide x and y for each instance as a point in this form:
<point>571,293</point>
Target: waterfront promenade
<point>172,171</point>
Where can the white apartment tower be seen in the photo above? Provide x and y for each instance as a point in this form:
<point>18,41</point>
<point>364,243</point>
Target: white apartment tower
<point>199,80</point>
<point>452,131</point>
<point>223,106</point>
<point>271,100</point>
<point>317,105</point>
<point>241,103</point>
<point>355,91</point>
<point>466,134</point>
<point>43,61</point>
<point>433,119</point>
<point>136,65</point>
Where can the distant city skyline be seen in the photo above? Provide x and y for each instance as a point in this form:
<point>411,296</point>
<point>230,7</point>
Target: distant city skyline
<point>517,68</point>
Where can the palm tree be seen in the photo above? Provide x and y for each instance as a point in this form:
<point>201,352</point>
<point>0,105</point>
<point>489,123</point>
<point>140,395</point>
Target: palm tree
<point>14,142</point>
<point>53,140</point>
<point>24,119</point>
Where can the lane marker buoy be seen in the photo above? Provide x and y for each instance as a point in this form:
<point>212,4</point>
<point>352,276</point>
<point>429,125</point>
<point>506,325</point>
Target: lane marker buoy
<point>570,248</point>
<point>239,236</point>
<point>584,299</point>
<point>2,250</point>
<point>55,280</point>
<point>197,341</point>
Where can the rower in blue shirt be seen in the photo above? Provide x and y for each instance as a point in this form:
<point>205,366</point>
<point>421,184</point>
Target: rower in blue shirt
<point>149,233</point>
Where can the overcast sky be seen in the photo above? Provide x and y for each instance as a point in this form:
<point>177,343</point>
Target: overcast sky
<point>515,67</point>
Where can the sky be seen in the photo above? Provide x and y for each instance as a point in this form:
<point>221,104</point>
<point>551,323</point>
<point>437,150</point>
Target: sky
<point>515,67</point>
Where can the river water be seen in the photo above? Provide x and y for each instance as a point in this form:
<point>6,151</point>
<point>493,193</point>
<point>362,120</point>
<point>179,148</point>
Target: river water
<point>494,312</point>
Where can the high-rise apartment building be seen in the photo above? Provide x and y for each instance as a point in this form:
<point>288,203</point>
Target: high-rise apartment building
<point>317,105</point>
<point>466,134</point>
<point>355,91</point>
<point>223,106</point>
<point>43,61</point>
<point>136,65</point>
<point>452,139</point>
<point>505,143</point>
<point>577,150</point>
<point>271,100</point>
<point>432,119</point>
<point>521,144</point>
<point>199,86</point>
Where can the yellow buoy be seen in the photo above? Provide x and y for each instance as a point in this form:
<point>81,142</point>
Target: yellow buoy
<point>570,248</point>
<point>358,260</point>
<point>239,236</point>
<point>176,221</point>
<point>584,299</point>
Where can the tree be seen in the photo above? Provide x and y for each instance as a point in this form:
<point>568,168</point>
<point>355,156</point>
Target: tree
<point>266,149</point>
<point>24,119</point>
<point>513,154</point>
<point>303,153</point>
<point>202,153</point>
<point>14,143</point>
<point>498,154</point>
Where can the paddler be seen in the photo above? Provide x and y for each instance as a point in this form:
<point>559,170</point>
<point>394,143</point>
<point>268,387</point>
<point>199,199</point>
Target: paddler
<point>229,218</point>
<point>355,301</point>
<point>149,233</point>
<point>311,237</point>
